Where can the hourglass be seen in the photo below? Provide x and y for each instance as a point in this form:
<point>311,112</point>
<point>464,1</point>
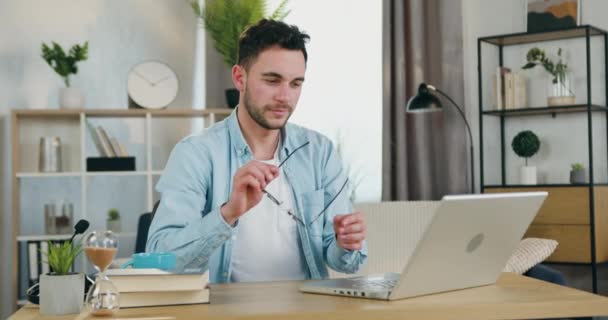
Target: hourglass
<point>100,247</point>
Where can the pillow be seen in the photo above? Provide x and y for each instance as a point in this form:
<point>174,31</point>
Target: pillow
<point>531,251</point>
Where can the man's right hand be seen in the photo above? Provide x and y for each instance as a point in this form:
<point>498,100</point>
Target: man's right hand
<point>247,185</point>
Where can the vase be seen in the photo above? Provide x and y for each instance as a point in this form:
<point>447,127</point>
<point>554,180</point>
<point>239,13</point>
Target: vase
<point>114,225</point>
<point>71,98</point>
<point>578,177</point>
<point>560,90</point>
<point>61,294</point>
<point>527,175</point>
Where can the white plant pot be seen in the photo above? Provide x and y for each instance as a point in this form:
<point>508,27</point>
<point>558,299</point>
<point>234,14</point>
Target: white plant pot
<point>527,175</point>
<point>114,225</point>
<point>61,295</point>
<point>70,98</point>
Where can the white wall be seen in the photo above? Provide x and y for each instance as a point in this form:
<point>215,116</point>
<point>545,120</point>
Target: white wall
<point>342,93</point>
<point>120,34</point>
<point>564,138</point>
<point>343,88</point>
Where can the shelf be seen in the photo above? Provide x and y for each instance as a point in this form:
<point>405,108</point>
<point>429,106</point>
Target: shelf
<point>544,110</point>
<point>115,173</point>
<point>117,113</point>
<point>22,175</point>
<point>531,37</point>
<point>43,237</point>
<point>554,185</point>
<point>25,175</point>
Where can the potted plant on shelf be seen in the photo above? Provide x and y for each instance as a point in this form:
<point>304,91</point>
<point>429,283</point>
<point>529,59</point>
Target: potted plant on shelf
<point>526,144</point>
<point>65,65</point>
<point>225,20</point>
<point>113,222</point>
<point>577,173</point>
<point>61,291</point>
<point>560,90</point>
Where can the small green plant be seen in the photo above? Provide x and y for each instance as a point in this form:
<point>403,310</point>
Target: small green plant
<point>537,56</point>
<point>525,144</point>
<point>577,166</point>
<point>64,64</point>
<point>61,256</point>
<point>113,215</point>
<point>225,20</point>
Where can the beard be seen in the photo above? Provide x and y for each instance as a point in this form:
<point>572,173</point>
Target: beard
<point>257,113</point>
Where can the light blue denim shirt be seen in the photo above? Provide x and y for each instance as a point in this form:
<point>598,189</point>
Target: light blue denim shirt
<point>197,180</point>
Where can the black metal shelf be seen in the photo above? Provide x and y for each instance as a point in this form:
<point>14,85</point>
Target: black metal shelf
<point>576,108</point>
<point>500,42</point>
<point>533,37</point>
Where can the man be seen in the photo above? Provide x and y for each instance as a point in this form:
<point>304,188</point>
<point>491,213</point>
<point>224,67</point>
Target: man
<point>255,198</point>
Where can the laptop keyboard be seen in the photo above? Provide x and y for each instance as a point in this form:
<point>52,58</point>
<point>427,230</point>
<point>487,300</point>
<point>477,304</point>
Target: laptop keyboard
<point>374,284</point>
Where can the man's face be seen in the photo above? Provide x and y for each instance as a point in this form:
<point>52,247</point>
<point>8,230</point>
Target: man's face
<point>272,86</point>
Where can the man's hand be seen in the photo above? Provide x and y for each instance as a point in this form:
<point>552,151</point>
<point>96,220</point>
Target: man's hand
<point>247,185</point>
<point>350,230</point>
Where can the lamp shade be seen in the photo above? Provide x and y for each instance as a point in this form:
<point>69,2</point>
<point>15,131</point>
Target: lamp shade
<point>424,101</point>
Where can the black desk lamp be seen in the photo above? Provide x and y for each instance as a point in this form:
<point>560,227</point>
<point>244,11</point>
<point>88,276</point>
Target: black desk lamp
<point>425,101</point>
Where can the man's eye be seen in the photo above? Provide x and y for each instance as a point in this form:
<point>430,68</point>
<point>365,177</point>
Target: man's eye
<point>296,84</point>
<point>273,81</point>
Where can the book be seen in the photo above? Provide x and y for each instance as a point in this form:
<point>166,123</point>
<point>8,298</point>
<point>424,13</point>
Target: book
<point>104,140</point>
<point>163,298</point>
<point>156,280</point>
<point>499,88</point>
<point>508,91</point>
<point>520,96</point>
<point>95,138</point>
<point>118,148</point>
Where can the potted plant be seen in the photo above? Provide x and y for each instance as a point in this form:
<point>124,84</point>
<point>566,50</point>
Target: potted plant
<point>526,144</point>
<point>65,65</point>
<point>560,90</point>
<point>113,222</point>
<point>225,20</point>
<point>577,173</point>
<point>61,291</point>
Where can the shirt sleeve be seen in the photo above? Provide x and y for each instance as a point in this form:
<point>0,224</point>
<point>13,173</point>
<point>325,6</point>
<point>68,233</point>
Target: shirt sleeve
<point>334,178</point>
<point>180,224</point>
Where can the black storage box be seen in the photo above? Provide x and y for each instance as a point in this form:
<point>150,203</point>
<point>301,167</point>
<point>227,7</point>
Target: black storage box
<point>111,164</point>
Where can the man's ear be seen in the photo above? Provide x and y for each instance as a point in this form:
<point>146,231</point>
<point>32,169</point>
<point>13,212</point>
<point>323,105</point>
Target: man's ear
<point>239,77</point>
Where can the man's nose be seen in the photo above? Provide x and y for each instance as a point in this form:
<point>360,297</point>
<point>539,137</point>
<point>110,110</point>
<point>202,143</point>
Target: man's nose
<point>283,93</point>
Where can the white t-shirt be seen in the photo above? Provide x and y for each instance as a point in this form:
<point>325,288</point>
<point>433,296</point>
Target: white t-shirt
<point>266,247</point>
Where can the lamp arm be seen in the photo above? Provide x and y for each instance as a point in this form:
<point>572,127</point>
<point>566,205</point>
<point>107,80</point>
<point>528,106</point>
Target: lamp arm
<point>468,130</point>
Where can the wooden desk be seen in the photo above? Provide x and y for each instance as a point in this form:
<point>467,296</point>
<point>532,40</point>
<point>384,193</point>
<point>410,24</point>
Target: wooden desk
<point>513,297</point>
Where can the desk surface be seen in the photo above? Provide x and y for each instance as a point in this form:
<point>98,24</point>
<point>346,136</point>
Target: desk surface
<point>512,297</point>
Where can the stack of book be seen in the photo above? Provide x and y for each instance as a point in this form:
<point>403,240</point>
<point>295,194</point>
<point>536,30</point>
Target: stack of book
<point>509,89</point>
<point>155,287</point>
<point>107,146</point>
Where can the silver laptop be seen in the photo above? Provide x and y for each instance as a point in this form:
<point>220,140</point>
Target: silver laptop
<point>466,244</point>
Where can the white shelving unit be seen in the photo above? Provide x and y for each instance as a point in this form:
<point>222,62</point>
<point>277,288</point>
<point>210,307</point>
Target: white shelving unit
<point>151,150</point>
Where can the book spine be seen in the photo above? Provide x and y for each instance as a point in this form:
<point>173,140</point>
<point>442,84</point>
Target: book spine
<point>105,142</point>
<point>96,141</point>
<point>117,148</point>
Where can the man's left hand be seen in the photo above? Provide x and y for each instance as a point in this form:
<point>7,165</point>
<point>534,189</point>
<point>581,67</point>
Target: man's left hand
<point>350,230</point>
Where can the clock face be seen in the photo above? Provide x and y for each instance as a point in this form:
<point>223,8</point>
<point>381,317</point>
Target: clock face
<point>152,84</point>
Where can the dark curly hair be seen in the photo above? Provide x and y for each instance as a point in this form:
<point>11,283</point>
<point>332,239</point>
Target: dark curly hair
<point>268,33</point>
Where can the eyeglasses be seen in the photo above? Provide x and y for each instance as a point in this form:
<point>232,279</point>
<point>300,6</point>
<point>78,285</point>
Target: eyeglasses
<point>289,211</point>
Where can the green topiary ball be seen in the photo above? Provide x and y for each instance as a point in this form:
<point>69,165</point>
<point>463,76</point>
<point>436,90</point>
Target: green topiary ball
<point>525,144</point>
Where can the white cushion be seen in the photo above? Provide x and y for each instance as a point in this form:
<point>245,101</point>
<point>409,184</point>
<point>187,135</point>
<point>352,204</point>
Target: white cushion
<point>531,251</point>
